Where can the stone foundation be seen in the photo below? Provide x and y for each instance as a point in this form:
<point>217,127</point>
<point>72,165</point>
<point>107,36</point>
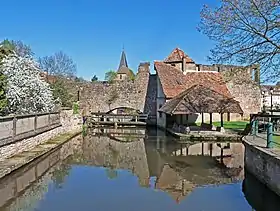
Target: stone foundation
<point>68,121</point>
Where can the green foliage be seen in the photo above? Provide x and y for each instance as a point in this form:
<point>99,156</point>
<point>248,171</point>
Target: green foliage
<point>94,78</point>
<point>132,75</point>
<point>3,99</point>
<point>110,76</point>
<point>6,48</point>
<point>60,92</point>
<point>75,108</point>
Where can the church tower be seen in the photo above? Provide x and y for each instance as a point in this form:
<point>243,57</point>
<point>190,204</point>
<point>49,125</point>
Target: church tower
<point>123,70</point>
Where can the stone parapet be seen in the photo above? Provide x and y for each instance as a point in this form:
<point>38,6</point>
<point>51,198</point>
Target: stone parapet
<point>264,164</point>
<point>68,122</point>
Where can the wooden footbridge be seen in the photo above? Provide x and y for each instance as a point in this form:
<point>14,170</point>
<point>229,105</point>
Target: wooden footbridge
<point>109,119</point>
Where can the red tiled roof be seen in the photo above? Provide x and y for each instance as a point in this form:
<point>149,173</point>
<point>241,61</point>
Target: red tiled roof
<point>178,55</point>
<point>201,99</point>
<point>174,81</point>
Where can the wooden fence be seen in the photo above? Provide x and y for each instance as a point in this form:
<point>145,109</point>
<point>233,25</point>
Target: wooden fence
<point>18,127</point>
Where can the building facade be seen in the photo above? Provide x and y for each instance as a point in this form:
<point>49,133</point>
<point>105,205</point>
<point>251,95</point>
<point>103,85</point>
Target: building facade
<point>179,72</point>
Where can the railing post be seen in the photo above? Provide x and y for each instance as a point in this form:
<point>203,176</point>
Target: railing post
<point>269,135</point>
<point>254,128</point>
<point>14,127</point>
<point>257,127</point>
<point>49,119</point>
<point>35,123</point>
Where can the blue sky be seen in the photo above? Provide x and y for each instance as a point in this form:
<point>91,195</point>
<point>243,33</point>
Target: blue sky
<point>94,32</point>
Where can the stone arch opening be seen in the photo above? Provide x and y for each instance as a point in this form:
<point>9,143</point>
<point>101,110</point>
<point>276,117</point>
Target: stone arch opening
<point>124,110</point>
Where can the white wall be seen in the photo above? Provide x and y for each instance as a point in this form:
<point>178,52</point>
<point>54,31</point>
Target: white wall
<point>267,100</point>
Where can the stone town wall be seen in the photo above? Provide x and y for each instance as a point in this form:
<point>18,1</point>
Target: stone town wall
<point>243,84</point>
<point>264,165</point>
<point>244,89</point>
<point>68,121</point>
<point>151,100</point>
<point>127,93</point>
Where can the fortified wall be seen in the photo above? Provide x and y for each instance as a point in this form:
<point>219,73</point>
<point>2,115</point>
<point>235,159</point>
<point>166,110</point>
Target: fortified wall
<point>243,83</point>
<point>126,93</point>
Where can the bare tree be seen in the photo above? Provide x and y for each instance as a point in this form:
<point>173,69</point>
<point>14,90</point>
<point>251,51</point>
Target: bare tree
<point>246,32</point>
<point>58,64</point>
<point>22,49</point>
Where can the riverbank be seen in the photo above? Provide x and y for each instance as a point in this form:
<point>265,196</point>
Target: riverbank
<point>19,160</point>
<point>262,162</point>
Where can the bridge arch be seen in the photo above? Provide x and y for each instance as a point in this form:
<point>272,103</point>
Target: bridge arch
<point>124,110</point>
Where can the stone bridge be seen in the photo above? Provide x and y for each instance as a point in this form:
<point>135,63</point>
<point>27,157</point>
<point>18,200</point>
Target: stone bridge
<point>123,94</point>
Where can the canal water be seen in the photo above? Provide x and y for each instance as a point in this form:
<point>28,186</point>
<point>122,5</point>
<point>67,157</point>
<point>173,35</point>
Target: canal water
<point>143,171</point>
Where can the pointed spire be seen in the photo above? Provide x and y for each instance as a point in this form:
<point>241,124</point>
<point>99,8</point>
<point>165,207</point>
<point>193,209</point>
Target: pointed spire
<point>123,61</point>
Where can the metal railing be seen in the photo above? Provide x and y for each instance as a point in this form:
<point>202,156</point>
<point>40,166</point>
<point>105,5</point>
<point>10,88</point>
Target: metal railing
<point>17,127</point>
<point>266,127</point>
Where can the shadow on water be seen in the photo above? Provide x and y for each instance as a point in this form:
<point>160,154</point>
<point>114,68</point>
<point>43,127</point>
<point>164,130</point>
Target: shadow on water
<point>258,195</point>
<point>185,172</point>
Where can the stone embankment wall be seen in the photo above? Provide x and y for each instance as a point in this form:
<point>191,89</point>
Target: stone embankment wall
<point>264,165</point>
<point>68,121</point>
<point>127,93</point>
<point>24,188</point>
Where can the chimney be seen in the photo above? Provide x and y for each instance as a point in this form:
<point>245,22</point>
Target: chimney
<point>184,64</point>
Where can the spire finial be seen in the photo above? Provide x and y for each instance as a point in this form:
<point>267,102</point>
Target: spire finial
<point>123,47</point>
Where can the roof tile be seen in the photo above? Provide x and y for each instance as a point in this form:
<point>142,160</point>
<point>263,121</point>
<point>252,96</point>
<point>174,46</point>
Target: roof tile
<point>174,81</point>
<point>177,55</point>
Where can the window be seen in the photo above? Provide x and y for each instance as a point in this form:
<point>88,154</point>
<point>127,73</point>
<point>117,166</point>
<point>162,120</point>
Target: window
<point>120,76</point>
<point>173,65</point>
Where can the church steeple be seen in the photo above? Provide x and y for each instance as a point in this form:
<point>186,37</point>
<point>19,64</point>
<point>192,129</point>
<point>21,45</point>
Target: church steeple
<point>123,61</point>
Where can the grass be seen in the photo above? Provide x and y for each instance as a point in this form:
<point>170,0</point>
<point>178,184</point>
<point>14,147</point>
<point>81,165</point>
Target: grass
<point>232,125</point>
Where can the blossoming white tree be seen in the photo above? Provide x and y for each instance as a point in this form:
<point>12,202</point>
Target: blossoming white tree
<point>26,91</point>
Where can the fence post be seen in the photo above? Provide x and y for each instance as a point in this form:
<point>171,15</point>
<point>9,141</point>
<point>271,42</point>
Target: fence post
<point>257,127</point>
<point>35,123</point>
<point>269,135</point>
<point>14,127</point>
<point>49,119</point>
<point>254,128</point>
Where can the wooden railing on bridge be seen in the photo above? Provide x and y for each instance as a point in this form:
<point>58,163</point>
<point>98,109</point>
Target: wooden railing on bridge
<point>116,119</point>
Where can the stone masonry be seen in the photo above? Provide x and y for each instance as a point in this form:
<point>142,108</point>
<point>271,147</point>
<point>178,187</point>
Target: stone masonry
<point>126,93</point>
<point>243,83</point>
<point>68,121</point>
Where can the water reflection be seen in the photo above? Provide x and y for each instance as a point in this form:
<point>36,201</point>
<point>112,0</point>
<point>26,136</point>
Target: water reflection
<point>143,173</point>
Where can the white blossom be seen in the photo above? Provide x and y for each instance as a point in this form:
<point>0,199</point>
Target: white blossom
<point>26,91</point>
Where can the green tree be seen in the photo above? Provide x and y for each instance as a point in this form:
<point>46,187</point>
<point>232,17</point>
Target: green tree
<point>132,75</point>
<point>110,76</point>
<point>60,92</point>
<point>6,48</point>
<point>94,78</point>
